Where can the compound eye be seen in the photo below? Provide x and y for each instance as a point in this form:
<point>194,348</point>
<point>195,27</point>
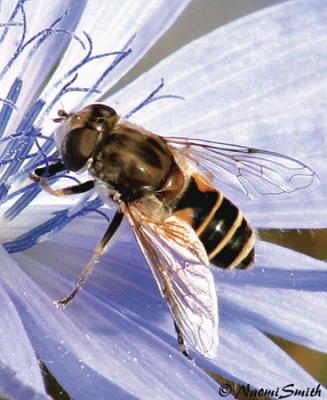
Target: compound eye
<point>77,147</point>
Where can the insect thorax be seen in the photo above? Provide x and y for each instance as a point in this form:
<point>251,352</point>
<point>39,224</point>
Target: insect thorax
<point>132,161</point>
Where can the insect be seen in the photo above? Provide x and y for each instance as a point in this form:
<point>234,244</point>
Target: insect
<point>166,187</point>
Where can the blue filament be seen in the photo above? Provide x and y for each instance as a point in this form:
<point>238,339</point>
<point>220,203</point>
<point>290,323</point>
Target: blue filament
<point>29,193</point>
<point>7,110</point>
<point>39,38</point>
<point>3,191</point>
<point>151,98</point>
<point>126,50</point>
<point>87,58</point>
<point>22,202</point>
<point>32,237</point>
<point>10,22</point>
<point>9,103</point>
<point>50,227</point>
<point>23,149</point>
<point>104,215</point>
<point>20,6</point>
<point>31,167</point>
<point>25,126</point>
<point>33,185</point>
<point>43,154</point>
<point>8,160</point>
<point>26,188</point>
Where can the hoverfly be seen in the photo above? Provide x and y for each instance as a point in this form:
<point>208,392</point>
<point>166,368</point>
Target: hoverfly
<point>181,221</point>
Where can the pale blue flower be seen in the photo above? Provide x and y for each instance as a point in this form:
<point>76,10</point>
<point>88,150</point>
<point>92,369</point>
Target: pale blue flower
<point>260,81</point>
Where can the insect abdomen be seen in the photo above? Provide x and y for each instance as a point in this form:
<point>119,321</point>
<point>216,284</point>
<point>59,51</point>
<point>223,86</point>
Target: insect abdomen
<point>220,225</point>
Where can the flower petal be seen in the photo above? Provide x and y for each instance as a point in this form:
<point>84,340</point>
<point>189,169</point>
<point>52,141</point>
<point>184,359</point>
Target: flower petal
<point>122,277</point>
<point>244,349</point>
<point>11,387</point>
<point>18,361</point>
<point>122,271</point>
<point>280,268</point>
<point>35,56</point>
<point>259,81</point>
<point>296,315</point>
<point>131,27</point>
<point>91,341</point>
<point>43,34</point>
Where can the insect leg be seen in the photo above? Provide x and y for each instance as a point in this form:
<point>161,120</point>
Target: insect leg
<point>80,188</point>
<point>181,342</point>
<point>52,170</point>
<point>114,224</point>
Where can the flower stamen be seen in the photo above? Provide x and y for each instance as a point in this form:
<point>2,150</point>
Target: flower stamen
<point>50,227</point>
<point>152,98</point>
<point>7,109</point>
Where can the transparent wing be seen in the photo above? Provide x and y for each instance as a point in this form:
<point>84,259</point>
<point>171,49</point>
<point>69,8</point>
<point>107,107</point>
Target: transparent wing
<point>251,171</point>
<point>179,264</point>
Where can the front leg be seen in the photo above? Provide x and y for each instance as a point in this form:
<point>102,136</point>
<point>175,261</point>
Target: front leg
<point>112,228</point>
<point>52,170</point>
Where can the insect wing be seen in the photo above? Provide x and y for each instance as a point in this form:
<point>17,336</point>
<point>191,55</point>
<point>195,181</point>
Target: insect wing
<point>180,267</point>
<point>252,171</point>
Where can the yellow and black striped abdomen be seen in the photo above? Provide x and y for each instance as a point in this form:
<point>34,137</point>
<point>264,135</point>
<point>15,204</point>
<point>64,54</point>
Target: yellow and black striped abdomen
<point>225,233</point>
